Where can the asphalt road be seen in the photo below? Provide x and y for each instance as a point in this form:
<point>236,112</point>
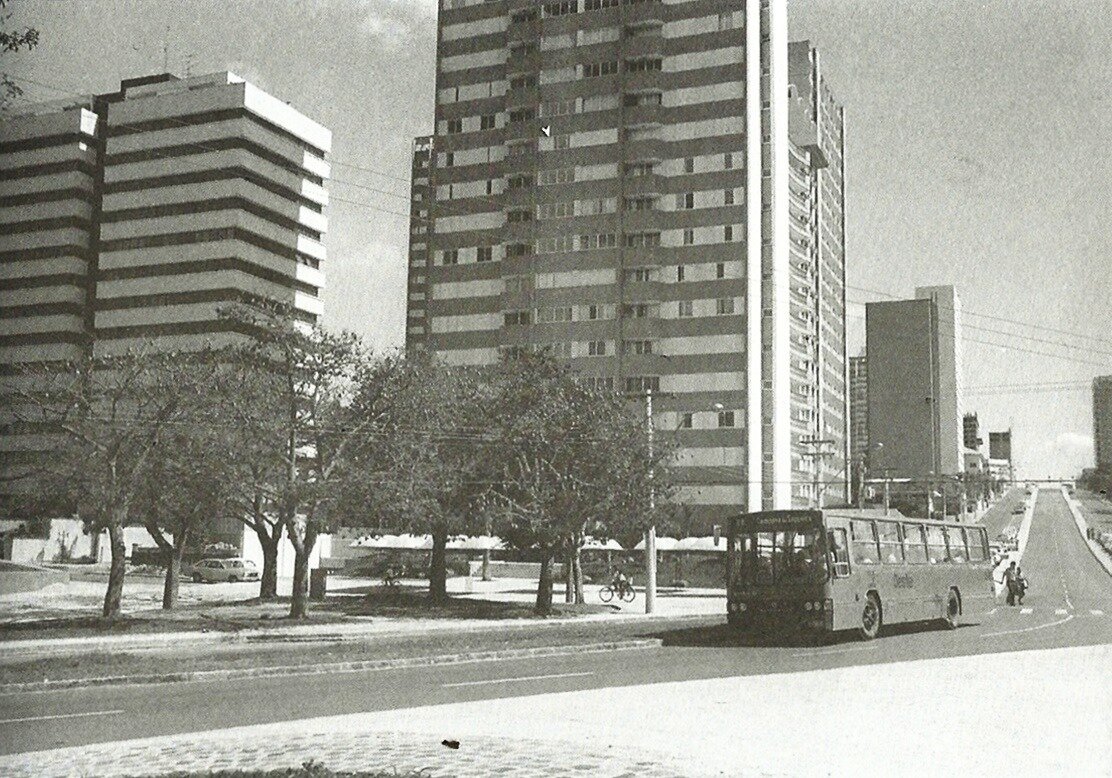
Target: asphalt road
<point>1070,604</point>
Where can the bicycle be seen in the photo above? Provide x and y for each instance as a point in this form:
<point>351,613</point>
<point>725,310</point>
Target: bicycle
<point>624,591</point>
<point>390,579</point>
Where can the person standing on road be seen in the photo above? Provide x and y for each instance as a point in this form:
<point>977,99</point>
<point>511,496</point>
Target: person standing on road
<point>1012,579</point>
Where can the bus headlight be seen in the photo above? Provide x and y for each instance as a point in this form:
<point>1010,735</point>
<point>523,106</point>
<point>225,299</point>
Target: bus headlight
<point>741,606</point>
<point>807,605</point>
<point>818,605</point>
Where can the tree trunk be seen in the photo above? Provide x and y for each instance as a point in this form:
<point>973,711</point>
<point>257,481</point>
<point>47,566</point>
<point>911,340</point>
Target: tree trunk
<point>173,577</point>
<point>303,549</point>
<point>544,585</point>
<point>115,590</point>
<point>569,574</point>
<point>577,575</point>
<point>438,565</point>
<point>268,582</point>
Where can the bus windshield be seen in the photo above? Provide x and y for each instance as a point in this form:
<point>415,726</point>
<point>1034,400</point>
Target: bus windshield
<point>780,557</point>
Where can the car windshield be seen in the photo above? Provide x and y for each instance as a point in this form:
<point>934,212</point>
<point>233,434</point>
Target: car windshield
<point>767,558</point>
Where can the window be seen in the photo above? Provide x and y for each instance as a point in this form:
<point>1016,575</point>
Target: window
<point>561,142</point>
<point>523,82</point>
<point>720,270</point>
<point>689,165</point>
<point>596,69</point>
<point>449,257</point>
<point>689,237</point>
<point>561,8</point>
<point>518,249</point>
<point>516,318</point>
<point>955,542</point>
<point>522,115</point>
<point>556,315</point>
<point>454,126</point>
<point>915,548</point>
<point>487,121</point>
<point>975,542</point>
<point>604,240</point>
<point>596,312</point>
<point>891,549</point>
<point>838,550</point>
<point>484,254</point>
<point>519,182</point>
<point>516,284</point>
<point>724,306</point>
<point>519,216</point>
<point>563,175</point>
<point>936,545</point>
<point>637,311</point>
<point>728,196</point>
<point>863,543</point>
<point>638,347</point>
<point>642,65</point>
<point>640,169</point>
<point>728,233</point>
<point>449,159</point>
<point>685,200</point>
<point>686,309</point>
<point>643,383</point>
<point>643,240</point>
<point>725,418</point>
<point>596,348</point>
<point>728,161</point>
<point>679,273</point>
<point>638,275</point>
<point>687,421</point>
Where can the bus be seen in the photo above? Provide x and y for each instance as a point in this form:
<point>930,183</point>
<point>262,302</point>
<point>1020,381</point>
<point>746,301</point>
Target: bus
<point>823,571</point>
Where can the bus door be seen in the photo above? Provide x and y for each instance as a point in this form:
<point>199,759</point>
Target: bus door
<point>841,580</point>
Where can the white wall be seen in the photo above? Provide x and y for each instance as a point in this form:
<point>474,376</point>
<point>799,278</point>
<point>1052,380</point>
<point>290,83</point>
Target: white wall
<point>253,550</point>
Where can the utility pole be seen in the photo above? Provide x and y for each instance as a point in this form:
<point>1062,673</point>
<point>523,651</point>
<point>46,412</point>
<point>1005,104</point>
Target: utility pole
<point>887,491</point>
<point>816,455</point>
<point>650,534</point>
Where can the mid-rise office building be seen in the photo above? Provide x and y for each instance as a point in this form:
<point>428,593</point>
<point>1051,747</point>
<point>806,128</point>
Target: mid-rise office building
<point>1000,445</point>
<point>628,186</point>
<point>131,218</point>
<point>1102,421</point>
<point>971,432</point>
<point>914,387</point>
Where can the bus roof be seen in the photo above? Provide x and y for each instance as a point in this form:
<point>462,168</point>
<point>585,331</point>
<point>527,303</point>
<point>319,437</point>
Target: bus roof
<point>848,513</point>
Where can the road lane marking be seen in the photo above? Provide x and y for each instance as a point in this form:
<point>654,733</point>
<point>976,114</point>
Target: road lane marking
<point>514,680</point>
<point>1060,612</point>
<point>870,647</point>
<point>1096,612</point>
<point>62,716</point>
<point>1027,611</point>
<point>993,611</point>
<point>1027,629</point>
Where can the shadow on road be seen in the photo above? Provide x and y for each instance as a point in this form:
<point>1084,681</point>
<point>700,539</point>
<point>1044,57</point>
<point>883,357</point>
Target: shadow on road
<point>725,636</point>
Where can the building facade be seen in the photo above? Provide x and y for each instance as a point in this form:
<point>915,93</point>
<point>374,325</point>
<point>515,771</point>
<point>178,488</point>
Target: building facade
<point>626,186</point>
<point>948,354</point>
<point>971,432</point>
<point>859,407</point>
<point>130,219</point>
<point>913,390</point>
<point>1000,445</point>
<point>1102,421</point>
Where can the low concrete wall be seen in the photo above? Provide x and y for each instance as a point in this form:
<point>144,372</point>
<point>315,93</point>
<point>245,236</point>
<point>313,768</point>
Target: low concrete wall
<point>16,578</point>
<point>1099,553</point>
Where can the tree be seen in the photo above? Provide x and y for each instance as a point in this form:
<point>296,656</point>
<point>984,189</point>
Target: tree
<point>109,415</point>
<point>12,41</point>
<point>328,408</point>
<point>434,466</point>
<point>573,459</point>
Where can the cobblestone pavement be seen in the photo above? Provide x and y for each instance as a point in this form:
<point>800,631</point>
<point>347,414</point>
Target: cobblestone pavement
<point>386,751</point>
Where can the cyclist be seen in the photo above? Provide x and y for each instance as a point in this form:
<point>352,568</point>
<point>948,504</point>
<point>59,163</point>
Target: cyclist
<point>619,583</point>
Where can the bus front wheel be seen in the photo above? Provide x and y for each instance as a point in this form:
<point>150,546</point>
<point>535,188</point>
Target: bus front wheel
<point>870,618</point>
<point>953,610</point>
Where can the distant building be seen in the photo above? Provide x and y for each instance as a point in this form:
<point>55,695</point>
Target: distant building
<point>914,386</point>
<point>971,432</point>
<point>859,407</point>
<point>1102,421</point>
<point>1000,445</point>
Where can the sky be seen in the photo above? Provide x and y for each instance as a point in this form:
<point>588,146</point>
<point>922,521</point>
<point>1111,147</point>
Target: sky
<point>974,157</point>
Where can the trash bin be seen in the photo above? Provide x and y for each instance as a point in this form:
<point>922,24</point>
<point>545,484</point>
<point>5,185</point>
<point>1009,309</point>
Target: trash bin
<point>318,583</point>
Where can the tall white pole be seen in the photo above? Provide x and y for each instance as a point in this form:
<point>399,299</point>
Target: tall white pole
<point>650,534</point>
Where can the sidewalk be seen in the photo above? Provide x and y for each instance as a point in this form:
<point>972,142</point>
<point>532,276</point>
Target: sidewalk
<point>958,716</point>
<point>669,604</point>
<point>1098,552</point>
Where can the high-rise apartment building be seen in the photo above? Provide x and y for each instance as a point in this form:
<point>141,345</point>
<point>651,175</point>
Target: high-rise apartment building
<point>1102,421</point>
<point>132,217</point>
<point>628,186</point>
<point>914,388</point>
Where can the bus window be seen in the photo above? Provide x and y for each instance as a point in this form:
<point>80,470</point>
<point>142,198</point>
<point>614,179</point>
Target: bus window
<point>936,545</point>
<point>914,547</point>
<point>956,544</point>
<point>974,541</point>
<point>762,561</point>
<point>891,551</point>
<point>839,552</point>
<point>864,543</point>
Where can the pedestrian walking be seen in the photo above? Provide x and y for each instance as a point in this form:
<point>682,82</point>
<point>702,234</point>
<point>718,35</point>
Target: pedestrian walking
<point>1014,581</point>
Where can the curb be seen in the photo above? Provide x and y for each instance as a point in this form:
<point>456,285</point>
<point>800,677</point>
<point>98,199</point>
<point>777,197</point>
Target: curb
<point>1082,527</point>
<point>14,649</point>
<point>334,667</point>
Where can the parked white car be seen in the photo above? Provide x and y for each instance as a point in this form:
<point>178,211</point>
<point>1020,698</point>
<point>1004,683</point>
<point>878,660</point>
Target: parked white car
<point>230,570</point>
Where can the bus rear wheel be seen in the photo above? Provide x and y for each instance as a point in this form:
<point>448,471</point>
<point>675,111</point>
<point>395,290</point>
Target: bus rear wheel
<point>953,610</point>
<point>870,618</point>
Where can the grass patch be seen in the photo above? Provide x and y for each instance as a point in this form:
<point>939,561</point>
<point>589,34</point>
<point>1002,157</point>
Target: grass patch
<point>308,769</point>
